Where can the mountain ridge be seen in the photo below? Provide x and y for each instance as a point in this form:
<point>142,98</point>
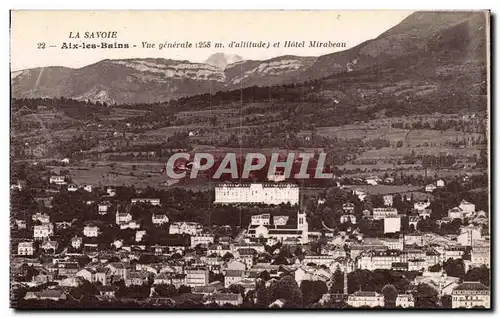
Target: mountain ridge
<point>439,39</point>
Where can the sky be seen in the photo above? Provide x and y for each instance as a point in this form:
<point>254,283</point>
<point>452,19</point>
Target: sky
<point>31,28</point>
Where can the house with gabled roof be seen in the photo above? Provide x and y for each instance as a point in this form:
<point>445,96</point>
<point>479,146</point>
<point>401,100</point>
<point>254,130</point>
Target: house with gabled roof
<point>49,246</point>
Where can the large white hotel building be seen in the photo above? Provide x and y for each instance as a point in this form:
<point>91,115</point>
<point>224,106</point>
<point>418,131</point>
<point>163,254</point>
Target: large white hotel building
<point>257,193</point>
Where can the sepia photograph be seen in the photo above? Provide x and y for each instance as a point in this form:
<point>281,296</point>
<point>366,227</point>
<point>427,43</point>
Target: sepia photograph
<point>211,160</point>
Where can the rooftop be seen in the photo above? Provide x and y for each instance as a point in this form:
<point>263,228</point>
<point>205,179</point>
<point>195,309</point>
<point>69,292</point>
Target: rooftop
<point>471,286</point>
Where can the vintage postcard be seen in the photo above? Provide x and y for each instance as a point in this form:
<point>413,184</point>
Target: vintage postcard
<point>250,159</point>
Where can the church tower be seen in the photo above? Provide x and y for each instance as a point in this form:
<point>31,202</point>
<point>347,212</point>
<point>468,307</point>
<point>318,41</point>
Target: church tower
<point>302,220</point>
<point>303,226</point>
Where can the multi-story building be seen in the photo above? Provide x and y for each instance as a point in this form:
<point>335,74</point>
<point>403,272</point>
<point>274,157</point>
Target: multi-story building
<point>455,213</point>
<point>348,218</point>
<point>233,276</point>
<point>412,253</point>
<point>439,281</point>
<point>280,220</point>
<point>103,207</point>
<point>414,239</point>
<point>381,213</point>
<point>41,217</point>
<point>405,301</point>
<point>469,295</point>
<point>311,273</point>
<point>300,232</point>
<point>318,259</point>
<point>169,278</point>
<point>480,255</point>
<point>348,208</point>
<point>361,194</point>
<point>378,259</point>
<point>218,249</point>
<point>76,242</point>
<point>469,235</point>
<point>152,201</point>
<point>135,278</point>
<point>91,231</point>
<point>43,231</point>
<point>257,193</point>
<point>118,269</point>
<point>453,252</point>
<point>191,228</point>
<point>57,180</point>
<point>111,192</point>
<point>417,264</point>
<point>20,224</point>
<point>202,239</point>
<point>393,243</point>
<point>366,299</point>
<point>103,275</point>
<point>196,276</point>
<point>260,248</point>
<point>430,187</point>
<point>25,248</point>
<point>432,257</point>
<point>139,235</point>
<point>388,200</point>
<point>333,250</point>
<point>261,219</point>
<point>392,224</point>
<point>123,218</point>
<point>413,221</point>
<point>421,205</point>
<point>159,219</point>
<point>467,207</point>
<point>227,298</point>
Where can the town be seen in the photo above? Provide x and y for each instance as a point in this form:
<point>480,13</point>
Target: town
<point>265,245</point>
<point>245,174</point>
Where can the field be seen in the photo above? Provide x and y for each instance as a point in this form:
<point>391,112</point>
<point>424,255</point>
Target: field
<point>394,153</point>
<point>442,173</point>
<point>407,190</point>
<point>364,132</point>
<point>123,113</point>
<point>165,132</point>
<point>139,174</point>
<point>410,137</point>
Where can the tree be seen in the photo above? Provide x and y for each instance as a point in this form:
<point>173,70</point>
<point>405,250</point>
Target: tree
<point>262,295</point>
<point>312,291</point>
<point>183,289</point>
<point>165,290</point>
<point>286,288</point>
<point>237,289</point>
<point>446,301</point>
<point>265,276</point>
<point>298,252</point>
<point>425,297</point>
<point>280,260</point>
<point>435,268</point>
<point>479,274</point>
<point>338,281</point>
<point>390,294</point>
<point>85,291</point>
<point>212,277</point>
<point>454,268</point>
<point>227,257</point>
